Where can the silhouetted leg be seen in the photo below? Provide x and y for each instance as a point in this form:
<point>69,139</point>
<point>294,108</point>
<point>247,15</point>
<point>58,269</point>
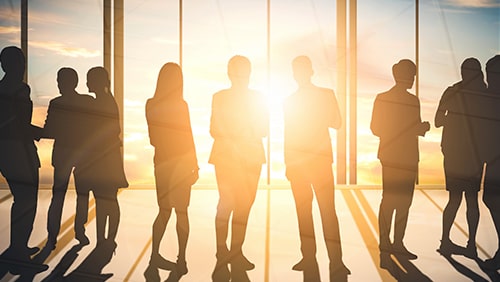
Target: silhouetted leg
<point>491,198</point>
<point>224,209</point>
<point>472,214</point>
<point>247,179</point>
<point>450,212</point>
<point>182,228</point>
<point>303,196</point>
<point>101,214</point>
<point>325,195</point>
<point>386,209</point>
<point>159,227</point>
<point>404,200</point>
<point>81,215</point>
<point>24,188</point>
<point>61,180</point>
<point>113,214</point>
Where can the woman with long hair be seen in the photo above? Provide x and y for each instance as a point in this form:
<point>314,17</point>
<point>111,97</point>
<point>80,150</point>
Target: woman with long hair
<point>175,164</point>
<point>102,170</point>
<point>460,146</point>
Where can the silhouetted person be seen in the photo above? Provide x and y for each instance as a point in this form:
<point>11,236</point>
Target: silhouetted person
<point>490,140</point>
<point>102,168</point>
<point>175,163</point>
<point>309,113</point>
<point>238,123</point>
<point>68,124</point>
<point>396,121</point>
<point>19,161</point>
<point>462,163</point>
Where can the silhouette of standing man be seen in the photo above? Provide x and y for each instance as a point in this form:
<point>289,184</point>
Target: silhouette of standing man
<point>238,123</point>
<point>459,144</point>
<point>19,161</point>
<point>309,113</point>
<point>396,121</point>
<point>68,124</point>
<point>490,138</point>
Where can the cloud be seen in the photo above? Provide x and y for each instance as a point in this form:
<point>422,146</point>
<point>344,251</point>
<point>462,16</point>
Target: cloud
<point>9,29</point>
<point>64,50</point>
<point>475,3</point>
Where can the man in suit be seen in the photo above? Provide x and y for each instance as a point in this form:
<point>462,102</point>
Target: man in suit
<point>68,124</point>
<point>238,123</point>
<point>309,113</point>
<point>396,121</point>
<point>19,162</point>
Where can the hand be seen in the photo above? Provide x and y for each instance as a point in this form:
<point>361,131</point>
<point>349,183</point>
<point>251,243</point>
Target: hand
<point>426,126</point>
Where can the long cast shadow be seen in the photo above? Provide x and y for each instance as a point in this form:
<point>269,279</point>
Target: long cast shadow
<point>403,270</point>
<point>90,269</point>
<point>467,272</point>
<point>64,264</point>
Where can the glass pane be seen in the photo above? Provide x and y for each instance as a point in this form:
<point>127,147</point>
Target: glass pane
<point>384,37</point>
<point>458,31</point>
<point>151,40</point>
<point>59,35</point>
<point>298,28</point>
<point>214,31</point>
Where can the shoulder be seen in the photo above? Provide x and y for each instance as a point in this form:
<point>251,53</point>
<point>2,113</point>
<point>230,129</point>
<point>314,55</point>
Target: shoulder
<point>221,94</point>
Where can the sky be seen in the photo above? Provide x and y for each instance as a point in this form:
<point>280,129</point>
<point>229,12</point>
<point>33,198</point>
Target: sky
<point>69,33</point>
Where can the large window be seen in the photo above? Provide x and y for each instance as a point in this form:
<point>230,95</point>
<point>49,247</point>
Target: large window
<point>209,32</point>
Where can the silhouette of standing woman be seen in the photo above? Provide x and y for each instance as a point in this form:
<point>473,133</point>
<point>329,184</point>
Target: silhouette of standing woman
<point>19,161</point>
<point>396,121</point>
<point>175,163</point>
<point>238,123</point>
<point>490,140</point>
<point>462,164</point>
<point>103,170</point>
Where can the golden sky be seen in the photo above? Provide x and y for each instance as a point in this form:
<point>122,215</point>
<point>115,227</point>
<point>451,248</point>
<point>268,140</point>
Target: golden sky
<point>69,33</point>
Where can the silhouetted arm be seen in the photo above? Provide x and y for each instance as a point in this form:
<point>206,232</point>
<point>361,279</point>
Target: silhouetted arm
<point>50,123</point>
<point>261,128</point>
<point>215,130</point>
<point>335,120</point>
<point>421,127</point>
<point>442,110</point>
<point>376,124</point>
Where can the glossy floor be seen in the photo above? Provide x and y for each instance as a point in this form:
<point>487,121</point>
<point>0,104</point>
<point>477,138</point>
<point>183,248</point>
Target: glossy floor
<point>272,240</point>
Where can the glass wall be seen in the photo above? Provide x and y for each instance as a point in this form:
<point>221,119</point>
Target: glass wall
<point>214,31</point>
<point>69,33</point>
<point>151,40</point>
<point>298,28</point>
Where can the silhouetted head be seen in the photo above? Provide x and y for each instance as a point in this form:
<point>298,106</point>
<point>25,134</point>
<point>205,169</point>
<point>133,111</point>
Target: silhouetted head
<point>302,69</point>
<point>404,73</point>
<point>238,70</point>
<point>98,80</point>
<point>471,69</point>
<point>170,82</point>
<point>13,62</point>
<point>493,73</point>
<point>67,80</point>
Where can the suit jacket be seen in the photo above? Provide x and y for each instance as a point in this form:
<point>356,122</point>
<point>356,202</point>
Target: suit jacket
<point>396,121</point>
<point>68,122</point>
<point>238,123</point>
<point>309,113</point>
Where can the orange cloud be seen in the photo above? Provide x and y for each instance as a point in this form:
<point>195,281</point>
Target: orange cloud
<point>64,50</point>
<point>9,29</point>
<point>475,3</point>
